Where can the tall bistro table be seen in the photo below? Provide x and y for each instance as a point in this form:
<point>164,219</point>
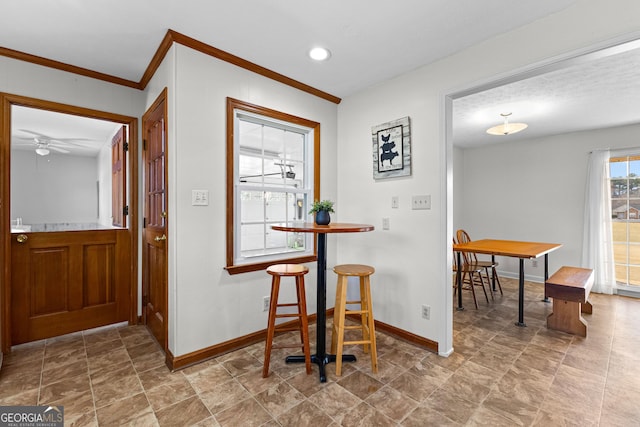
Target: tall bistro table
<point>510,248</point>
<point>322,358</point>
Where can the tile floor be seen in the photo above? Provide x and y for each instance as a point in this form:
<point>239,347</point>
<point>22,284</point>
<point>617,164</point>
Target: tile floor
<point>499,375</point>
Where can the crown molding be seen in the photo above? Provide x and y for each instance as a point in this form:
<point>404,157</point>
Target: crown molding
<point>50,63</point>
<point>169,39</point>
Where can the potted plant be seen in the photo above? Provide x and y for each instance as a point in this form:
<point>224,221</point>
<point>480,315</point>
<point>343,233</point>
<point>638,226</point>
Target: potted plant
<point>322,209</point>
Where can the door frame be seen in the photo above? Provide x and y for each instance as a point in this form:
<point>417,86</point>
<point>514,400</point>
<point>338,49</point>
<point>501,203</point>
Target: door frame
<point>6,102</point>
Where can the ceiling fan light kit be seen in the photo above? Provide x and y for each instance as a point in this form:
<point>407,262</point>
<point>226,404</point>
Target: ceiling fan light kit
<point>43,151</point>
<point>45,144</point>
<point>507,128</point>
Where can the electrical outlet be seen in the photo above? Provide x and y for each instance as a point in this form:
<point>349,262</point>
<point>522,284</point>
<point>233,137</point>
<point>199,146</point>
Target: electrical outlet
<point>534,263</point>
<point>266,301</point>
<point>385,223</point>
<point>426,311</point>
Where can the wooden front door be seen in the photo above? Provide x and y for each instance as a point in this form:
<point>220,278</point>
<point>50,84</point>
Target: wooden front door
<point>154,240</point>
<point>63,282</point>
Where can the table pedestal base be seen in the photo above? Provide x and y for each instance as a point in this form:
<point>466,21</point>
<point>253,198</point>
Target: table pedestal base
<point>321,362</point>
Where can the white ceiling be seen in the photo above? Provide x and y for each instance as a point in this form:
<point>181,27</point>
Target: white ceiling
<point>79,136</point>
<point>370,41</point>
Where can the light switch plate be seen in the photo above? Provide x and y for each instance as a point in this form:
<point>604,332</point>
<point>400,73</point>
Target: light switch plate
<point>199,197</point>
<point>421,202</point>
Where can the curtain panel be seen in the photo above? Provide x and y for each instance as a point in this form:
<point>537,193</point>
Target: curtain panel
<point>597,245</point>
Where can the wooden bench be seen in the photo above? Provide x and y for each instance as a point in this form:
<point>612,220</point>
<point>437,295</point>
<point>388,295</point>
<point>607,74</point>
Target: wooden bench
<point>569,287</point>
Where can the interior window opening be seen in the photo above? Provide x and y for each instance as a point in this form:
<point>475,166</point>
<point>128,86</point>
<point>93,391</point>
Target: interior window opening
<point>69,172</point>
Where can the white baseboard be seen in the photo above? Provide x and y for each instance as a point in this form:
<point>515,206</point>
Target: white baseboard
<point>446,353</point>
<point>627,293</point>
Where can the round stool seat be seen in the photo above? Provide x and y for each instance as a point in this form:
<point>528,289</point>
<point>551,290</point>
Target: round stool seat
<point>287,269</point>
<point>354,270</point>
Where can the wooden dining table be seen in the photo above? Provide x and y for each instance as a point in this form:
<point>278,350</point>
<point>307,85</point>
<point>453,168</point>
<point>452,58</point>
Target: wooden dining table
<point>509,248</point>
<point>321,357</point>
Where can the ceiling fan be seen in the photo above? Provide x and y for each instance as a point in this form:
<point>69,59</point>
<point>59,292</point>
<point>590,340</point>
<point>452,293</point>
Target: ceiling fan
<point>45,143</point>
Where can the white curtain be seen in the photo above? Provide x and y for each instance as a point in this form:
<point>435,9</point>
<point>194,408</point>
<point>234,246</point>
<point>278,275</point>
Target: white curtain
<point>597,246</point>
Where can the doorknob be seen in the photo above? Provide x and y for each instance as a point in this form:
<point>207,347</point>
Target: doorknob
<point>22,238</point>
<point>157,238</point>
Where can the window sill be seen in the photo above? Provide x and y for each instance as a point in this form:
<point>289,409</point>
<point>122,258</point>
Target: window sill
<point>246,268</point>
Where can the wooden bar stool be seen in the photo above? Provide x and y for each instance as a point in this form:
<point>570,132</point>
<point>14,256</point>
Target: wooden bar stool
<point>278,271</point>
<point>367,326</point>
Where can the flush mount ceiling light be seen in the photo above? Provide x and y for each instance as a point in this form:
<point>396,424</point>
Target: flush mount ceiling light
<point>507,128</point>
<point>319,54</point>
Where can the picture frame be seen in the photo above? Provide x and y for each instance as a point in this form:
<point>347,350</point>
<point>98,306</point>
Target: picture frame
<point>392,149</point>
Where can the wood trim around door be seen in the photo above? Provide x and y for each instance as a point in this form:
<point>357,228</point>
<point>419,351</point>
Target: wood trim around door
<point>6,102</point>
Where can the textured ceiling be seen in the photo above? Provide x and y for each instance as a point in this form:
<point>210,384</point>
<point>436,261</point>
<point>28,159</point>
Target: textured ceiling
<point>592,94</point>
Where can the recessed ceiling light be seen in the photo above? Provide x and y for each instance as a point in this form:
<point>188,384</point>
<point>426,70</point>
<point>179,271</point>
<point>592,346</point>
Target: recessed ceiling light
<point>319,54</point>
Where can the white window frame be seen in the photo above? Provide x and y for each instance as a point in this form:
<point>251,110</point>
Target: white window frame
<point>625,286</point>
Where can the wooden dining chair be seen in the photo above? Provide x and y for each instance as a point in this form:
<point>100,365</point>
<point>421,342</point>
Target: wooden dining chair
<point>463,237</point>
<point>471,276</point>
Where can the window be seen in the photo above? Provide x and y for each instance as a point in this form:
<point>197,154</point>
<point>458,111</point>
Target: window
<point>273,176</point>
<point>625,206</point>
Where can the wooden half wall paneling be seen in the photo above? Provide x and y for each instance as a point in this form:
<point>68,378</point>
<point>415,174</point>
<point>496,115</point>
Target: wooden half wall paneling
<point>64,282</point>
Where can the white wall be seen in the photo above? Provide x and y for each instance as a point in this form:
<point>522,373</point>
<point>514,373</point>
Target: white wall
<point>207,305</point>
<point>22,78</point>
<point>413,258</point>
<point>58,188</point>
<point>458,188</point>
<point>25,79</point>
<point>104,164</point>
<point>536,192</point>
